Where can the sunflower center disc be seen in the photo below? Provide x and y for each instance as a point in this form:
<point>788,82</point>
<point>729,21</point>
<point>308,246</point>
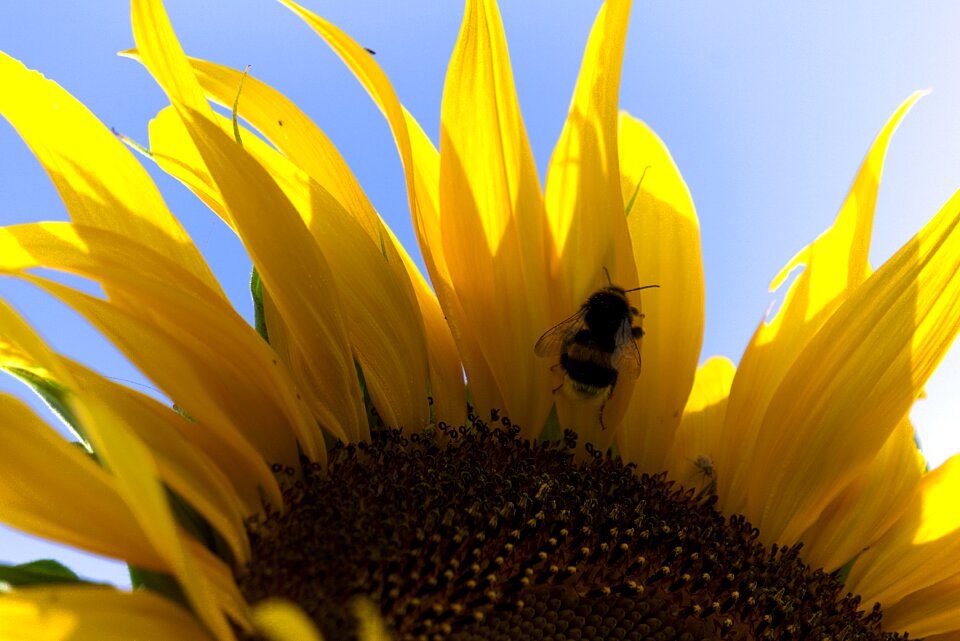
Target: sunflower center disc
<point>478,534</point>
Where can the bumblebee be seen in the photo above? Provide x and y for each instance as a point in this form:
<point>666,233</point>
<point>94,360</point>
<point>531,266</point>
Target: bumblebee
<point>597,345</point>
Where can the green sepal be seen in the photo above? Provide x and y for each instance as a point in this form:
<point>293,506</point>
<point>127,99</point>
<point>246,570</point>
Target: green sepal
<point>636,190</point>
<point>40,572</point>
<point>55,396</point>
<point>842,573</point>
<point>159,582</point>
<point>551,428</point>
<point>256,292</point>
<point>193,522</point>
<point>236,104</point>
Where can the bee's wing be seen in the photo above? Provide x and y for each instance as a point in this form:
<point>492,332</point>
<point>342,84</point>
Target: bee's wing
<point>555,339</point>
<point>627,358</point>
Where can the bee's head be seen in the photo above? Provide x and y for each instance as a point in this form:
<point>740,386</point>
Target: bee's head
<point>607,309</point>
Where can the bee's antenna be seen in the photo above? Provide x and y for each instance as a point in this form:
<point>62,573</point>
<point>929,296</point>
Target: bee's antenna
<point>635,289</point>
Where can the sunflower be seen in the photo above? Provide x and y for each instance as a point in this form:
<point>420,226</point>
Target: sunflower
<point>329,473</point>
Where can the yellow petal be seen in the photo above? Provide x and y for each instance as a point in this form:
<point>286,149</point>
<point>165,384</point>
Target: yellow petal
<point>280,620</point>
<point>98,253</point>
<point>53,490</point>
<point>100,182</point>
<point>446,373</point>
<point>665,235</point>
<point>90,613</point>
<point>492,221</point>
<point>371,76</point>
<point>292,132</point>
<point>835,264</point>
<point>164,58</point>
<point>868,506</point>
<point>172,148</point>
<point>932,611</point>
<point>426,176</point>
<point>922,547</point>
<point>693,460</point>
<point>219,580</point>
<point>583,196</point>
<point>855,380</point>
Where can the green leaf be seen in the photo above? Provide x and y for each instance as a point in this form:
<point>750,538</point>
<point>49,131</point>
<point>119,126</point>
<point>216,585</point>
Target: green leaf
<point>256,292</point>
<point>40,572</point>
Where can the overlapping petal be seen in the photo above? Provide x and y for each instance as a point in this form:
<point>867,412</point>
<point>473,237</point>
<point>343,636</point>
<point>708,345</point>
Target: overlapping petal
<point>869,505</point>
<point>132,465</point>
<point>585,208</point>
<point>665,239</point>
<point>52,489</point>
<point>296,274</point>
<point>916,555</point>
<point>856,380</point>
<point>101,184</point>
<point>693,457</point>
<point>835,264</point>
<point>809,437</point>
<point>492,222</point>
<point>421,168</point>
<point>309,149</point>
<point>260,394</point>
<point>88,613</point>
<point>582,190</point>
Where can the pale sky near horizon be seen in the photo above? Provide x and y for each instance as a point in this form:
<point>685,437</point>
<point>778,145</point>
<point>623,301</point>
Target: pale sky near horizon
<point>767,110</point>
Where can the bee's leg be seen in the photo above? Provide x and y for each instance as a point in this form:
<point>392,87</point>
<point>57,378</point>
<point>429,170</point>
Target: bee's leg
<point>600,416</point>
<point>553,369</point>
<point>636,331</point>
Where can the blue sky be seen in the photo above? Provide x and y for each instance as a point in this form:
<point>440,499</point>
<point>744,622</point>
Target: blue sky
<point>767,110</point>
